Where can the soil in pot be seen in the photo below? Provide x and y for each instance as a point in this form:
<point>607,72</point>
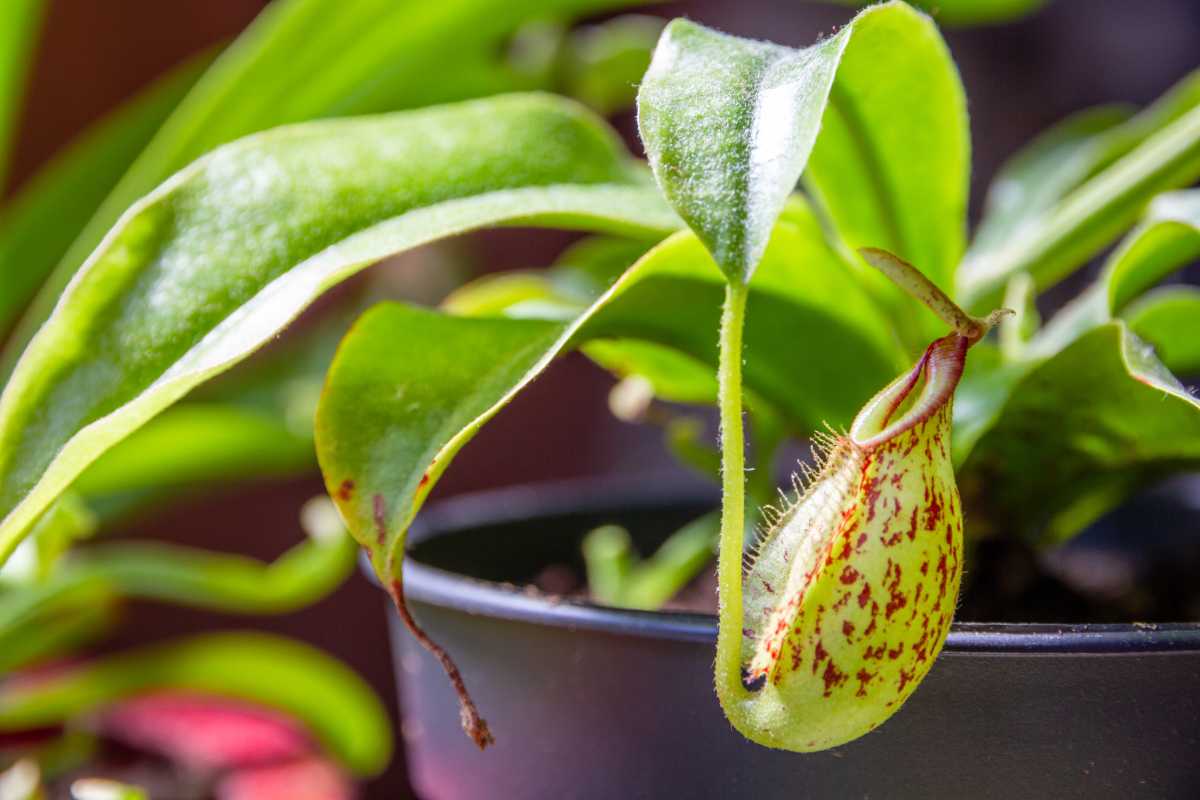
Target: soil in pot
<point>1139,564</point>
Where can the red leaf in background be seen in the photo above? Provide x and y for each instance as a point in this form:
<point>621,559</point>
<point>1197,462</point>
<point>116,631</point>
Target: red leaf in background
<point>205,733</point>
<point>311,779</point>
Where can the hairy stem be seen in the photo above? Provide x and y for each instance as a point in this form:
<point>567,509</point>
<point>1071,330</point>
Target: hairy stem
<point>733,498</point>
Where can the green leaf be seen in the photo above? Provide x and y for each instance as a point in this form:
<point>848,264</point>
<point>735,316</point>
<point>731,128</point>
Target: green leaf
<point>729,125</point>
<point>40,621</point>
<point>226,583</point>
<point>37,227</point>
<point>19,23</point>
<point>36,618</point>
<point>604,63</point>
<point>410,387</point>
<point>309,59</point>
<point>1130,422</point>
<point>338,708</point>
<point>1158,150</point>
<point>1164,241</point>
<point>971,12</point>
<point>216,261</point>
<point>190,445</point>
<point>618,576</point>
<point>1169,319</point>
<point>802,293</point>
<point>1167,238</point>
<point>672,375</point>
<point>1040,174</point>
<point>253,422</point>
<point>893,162</point>
<point>1032,182</point>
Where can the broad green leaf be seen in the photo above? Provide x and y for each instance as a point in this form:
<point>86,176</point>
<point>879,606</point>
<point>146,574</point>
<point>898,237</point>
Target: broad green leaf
<point>37,227</point>
<point>409,387</point>
<point>253,422</point>
<point>309,59</point>
<point>19,22</point>
<point>1094,213</point>
<point>1038,176</point>
<point>971,12</point>
<point>800,269</point>
<point>339,709</point>
<point>1033,181</point>
<point>803,290</point>
<point>442,377</point>
<point>1129,422</point>
<point>1167,238</point>
<point>1169,319</point>
<point>896,130</point>
<point>215,262</point>
<point>729,125</point>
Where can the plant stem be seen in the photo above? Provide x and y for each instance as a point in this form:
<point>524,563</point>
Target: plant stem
<point>733,498</point>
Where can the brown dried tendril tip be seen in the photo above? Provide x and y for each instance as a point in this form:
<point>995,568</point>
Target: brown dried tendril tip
<point>473,724</point>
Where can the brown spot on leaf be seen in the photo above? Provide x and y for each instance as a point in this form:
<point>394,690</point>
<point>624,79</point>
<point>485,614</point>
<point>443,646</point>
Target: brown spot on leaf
<point>864,678</point>
<point>379,510</point>
<point>346,490</point>
<point>819,655</point>
<point>833,677</point>
<point>933,514</point>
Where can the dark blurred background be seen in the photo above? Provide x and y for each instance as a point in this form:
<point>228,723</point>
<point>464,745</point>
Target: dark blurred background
<point>93,54</point>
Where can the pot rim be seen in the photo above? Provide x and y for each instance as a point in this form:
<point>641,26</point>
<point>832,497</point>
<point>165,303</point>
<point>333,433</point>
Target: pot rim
<point>440,587</point>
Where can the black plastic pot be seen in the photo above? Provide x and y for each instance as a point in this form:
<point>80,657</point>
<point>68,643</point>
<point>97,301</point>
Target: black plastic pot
<point>591,702</point>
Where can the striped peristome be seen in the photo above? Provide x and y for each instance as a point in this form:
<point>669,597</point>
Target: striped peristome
<point>849,595</point>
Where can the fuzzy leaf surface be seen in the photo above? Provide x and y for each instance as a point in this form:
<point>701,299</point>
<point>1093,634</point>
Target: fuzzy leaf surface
<point>730,124</point>
<point>220,258</point>
<point>313,59</point>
